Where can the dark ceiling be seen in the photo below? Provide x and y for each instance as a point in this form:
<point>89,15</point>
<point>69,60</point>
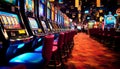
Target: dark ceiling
<point>68,6</point>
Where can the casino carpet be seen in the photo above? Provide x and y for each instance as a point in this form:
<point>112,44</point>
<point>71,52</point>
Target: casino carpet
<point>90,54</point>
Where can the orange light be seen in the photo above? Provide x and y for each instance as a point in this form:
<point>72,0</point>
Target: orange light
<point>98,3</point>
<point>51,0</point>
<point>53,13</point>
<point>101,11</point>
<point>79,8</point>
<point>76,3</point>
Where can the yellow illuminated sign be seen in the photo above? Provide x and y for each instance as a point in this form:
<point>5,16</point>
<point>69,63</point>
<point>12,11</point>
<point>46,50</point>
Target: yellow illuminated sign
<point>21,31</point>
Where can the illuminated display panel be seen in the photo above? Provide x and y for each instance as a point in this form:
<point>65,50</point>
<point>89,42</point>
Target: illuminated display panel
<point>41,9</point>
<point>44,25</point>
<point>53,13</point>
<point>48,10</point>
<point>48,4</point>
<point>110,20</point>
<point>13,2</point>
<point>48,13</point>
<point>33,23</point>
<point>29,6</point>
<point>9,20</point>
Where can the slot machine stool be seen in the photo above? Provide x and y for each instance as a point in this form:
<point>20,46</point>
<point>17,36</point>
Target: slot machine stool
<point>58,52</point>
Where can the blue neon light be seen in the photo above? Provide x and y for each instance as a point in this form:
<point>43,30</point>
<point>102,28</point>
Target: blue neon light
<point>21,45</point>
<point>39,49</point>
<point>39,39</point>
<point>28,58</point>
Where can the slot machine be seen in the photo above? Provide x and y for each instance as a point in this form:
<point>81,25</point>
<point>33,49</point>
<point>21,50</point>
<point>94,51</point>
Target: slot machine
<point>50,21</point>
<point>43,15</point>
<point>110,21</point>
<point>28,8</point>
<point>13,29</point>
<point>52,18</point>
<point>56,20</point>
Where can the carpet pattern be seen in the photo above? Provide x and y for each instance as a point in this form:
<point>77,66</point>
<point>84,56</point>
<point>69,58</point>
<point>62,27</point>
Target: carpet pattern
<point>90,54</point>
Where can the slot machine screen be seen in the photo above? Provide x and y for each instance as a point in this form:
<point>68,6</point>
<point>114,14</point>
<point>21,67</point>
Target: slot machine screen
<point>41,9</point>
<point>13,2</point>
<point>33,23</point>
<point>44,25</point>
<point>29,6</point>
<point>10,20</point>
<point>48,13</point>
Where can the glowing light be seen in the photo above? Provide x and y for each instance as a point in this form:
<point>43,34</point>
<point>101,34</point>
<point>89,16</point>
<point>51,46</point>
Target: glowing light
<point>33,23</point>
<point>76,3</point>
<point>28,58</point>
<point>51,0</point>
<point>39,49</point>
<point>79,8</point>
<point>86,11</point>
<point>39,39</point>
<point>20,45</point>
<point>98,3</point>
<point>101,11</point>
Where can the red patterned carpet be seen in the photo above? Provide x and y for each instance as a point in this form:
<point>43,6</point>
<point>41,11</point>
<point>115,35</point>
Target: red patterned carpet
<point>90,54</point>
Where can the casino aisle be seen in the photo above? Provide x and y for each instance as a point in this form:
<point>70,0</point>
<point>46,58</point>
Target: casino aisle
<point>90,54</point>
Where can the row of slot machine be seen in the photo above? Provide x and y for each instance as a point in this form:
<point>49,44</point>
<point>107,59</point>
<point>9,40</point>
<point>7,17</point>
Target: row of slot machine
<point>22,22</point>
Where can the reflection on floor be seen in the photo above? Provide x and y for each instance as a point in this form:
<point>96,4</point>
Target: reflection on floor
<point>90,54</point>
